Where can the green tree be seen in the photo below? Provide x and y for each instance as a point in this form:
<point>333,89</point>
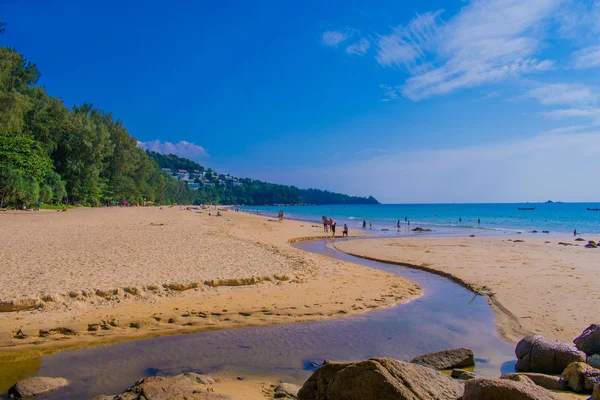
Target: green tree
<point>23,165</point>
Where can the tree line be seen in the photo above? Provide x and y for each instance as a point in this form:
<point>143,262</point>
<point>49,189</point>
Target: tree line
<point>52,154</point>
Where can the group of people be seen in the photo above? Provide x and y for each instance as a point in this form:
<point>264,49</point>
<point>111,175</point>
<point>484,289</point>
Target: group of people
<point>330,225</point>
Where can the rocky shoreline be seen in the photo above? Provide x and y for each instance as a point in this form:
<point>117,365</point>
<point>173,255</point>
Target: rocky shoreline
<point>545,368</point>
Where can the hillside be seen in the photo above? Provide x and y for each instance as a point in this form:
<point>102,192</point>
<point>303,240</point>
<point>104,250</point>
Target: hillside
<point>212,186</point>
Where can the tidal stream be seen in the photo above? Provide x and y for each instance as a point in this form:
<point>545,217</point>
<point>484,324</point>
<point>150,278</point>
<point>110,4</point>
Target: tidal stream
<point>446,316</point>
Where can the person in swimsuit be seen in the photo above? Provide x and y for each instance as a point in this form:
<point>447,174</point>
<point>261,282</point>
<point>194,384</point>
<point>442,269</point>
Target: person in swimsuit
<point>345,232</point>
<point>333,228</point>
<point>364,224</point>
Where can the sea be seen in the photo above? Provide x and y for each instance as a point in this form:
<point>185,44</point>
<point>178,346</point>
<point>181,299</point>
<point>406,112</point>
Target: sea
<point>552,218</point>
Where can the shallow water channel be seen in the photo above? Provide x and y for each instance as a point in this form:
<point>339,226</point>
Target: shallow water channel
<point>446,316</point>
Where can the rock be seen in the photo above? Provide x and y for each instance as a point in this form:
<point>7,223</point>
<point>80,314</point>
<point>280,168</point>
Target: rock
<point>594,361</point>
<point>103,397</point>
<point>589,340</point>
<point>521,388</point>
<point>36,386</point>
<point>190,386</point>
<point>462,374</point>
<point>590,246</point>
<point>446,359</point>
<point>581,377</point>
<point>580,240</point>
<point>379,378</point>
<point>536,353</point>
<point>550,382</point>
<point>596,393</point>
<point>419,229</point>
<point>287,391</point>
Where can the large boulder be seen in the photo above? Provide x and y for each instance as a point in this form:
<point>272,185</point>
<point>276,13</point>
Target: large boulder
<point>189,386</point>
<point>36,386</point>
<point>379,378</point>
<point>581,377</point>
<point>589,340</point>
<point>521,388</point>
<point>594,360</point>
<point>550,382</point>
<point>446,359</point>
<point>536,353</point>
<point>596,393</point>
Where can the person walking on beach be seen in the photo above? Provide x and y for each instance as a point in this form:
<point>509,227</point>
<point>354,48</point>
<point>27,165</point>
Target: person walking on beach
<point>280,215</point>
<point>332,228</point>
<point>325,224</point>
<point>398,225</point>
<point>345,231</point>
<point>364,224</point>
<point>331,224</point>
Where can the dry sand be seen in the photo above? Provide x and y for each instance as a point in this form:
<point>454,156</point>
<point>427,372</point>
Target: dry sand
<point>92,276</point>
<point>535,286</point>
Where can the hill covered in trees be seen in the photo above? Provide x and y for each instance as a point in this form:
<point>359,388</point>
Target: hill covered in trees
<point>232,190</point>
<point>83,155</point>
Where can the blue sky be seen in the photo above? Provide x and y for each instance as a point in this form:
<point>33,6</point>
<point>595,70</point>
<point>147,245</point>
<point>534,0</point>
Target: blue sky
<point>410,101</point>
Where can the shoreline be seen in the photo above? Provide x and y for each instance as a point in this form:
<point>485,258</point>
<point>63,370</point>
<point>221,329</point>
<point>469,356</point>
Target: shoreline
<point>287,285</point>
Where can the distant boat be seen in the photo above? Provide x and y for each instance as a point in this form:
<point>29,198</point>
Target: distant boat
<point>526,208</point>
<point>593,209</point>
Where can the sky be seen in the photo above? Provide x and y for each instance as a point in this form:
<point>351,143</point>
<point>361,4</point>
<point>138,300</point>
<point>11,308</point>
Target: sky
<point>408,101</point>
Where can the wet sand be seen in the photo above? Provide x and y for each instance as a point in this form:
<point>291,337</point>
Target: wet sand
<point>535,285</point>
<point>93,276</point>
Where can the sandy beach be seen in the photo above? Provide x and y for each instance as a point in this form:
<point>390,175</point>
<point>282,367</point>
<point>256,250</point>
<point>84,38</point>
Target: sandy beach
<point>92,276</point>
<point>533,283</point>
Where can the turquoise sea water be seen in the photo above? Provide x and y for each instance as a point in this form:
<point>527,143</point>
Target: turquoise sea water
<point>558,218</point>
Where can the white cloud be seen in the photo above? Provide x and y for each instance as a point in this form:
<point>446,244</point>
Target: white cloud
<point>588,57</point>
<point>563,93</point>
<point>588,112</point>
<point>406,44</point>
<point>182,149</point>
<point>359,48</point>
<point>333,38</point>
<point>487,41</point>
<point>390,92</point>
<point>495,172</point>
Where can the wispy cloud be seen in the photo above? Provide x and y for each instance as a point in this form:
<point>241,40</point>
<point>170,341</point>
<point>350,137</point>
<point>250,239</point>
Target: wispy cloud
<point>390,92</point>
<point>587,112</point>
<point>563,93</point>
<point>333,38</point>
<point>492,95</point>
<point>487,41</point>
<point>588,57</point>
<point>183,149</point>
<point>408,44</point>
<point>360,48</point>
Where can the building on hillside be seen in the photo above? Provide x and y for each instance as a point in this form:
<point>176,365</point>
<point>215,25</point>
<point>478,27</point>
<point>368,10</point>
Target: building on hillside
<point>209,184</point>
<point>194,185</point>
<point>182,174</point>
<point>197,174</point>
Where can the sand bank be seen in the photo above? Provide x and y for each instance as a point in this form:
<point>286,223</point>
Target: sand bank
<point>535,285</point>
<point>91,276</point>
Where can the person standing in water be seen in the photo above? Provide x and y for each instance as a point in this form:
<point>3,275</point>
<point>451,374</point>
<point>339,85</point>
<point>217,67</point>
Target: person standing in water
<point>370,225</point>
<point>575,232</point>
<point>364,224</point>
<point>398,225</point>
